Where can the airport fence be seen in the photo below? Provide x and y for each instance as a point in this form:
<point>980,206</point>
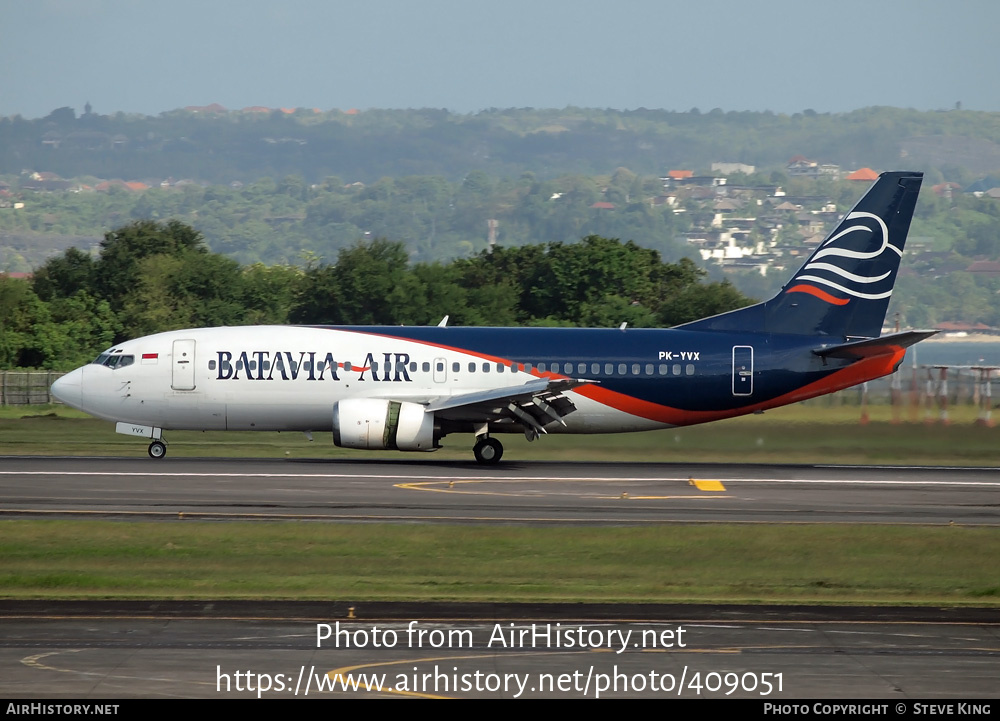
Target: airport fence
<point>932,389</point>
<point>23,388</point>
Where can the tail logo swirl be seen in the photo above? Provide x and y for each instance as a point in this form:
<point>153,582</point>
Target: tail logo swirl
<point>826,267</point>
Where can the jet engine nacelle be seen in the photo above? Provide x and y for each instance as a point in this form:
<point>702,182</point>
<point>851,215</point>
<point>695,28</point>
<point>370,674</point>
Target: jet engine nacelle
<point>378,424</point>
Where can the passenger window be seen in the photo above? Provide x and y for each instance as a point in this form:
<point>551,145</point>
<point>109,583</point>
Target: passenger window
<point>374,367</point>
<point>541,367</point>
<point>348,366</point>
<point>211,365</point>
<point>425,367</point>
<point>500,367</point>
<point>663,369</point>
<point>608,369</point>
<point>413,367</point>
<point>649,369</point>
<point>677,369</point>
<point>472,367</point>
<point>595,369</point>
<point>689,369</point>
<point>455,367</point>
<point>513,368</point>
<point>439,366</point>
<point>622,369</point>
<point>581,368</point>
<point>635,369</point>
<point>486,367</point>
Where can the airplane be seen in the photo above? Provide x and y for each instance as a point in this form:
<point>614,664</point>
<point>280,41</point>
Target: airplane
<point>406,388</point>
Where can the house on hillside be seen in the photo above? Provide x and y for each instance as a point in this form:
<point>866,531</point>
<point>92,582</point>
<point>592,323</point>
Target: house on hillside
<point>801,167</point>
<point>865,174</point>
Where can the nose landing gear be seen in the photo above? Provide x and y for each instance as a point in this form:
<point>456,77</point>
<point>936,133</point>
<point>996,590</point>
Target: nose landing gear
<point>157,449</point>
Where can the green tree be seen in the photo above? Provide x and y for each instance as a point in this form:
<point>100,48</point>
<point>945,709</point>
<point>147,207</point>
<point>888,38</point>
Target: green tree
<point>64,275</point>
<point>117,270</point>
<point>189,289</point>
<point>19,311</point>
<point>371,284</point>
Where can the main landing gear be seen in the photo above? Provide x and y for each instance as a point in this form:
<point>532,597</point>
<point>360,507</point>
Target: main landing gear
<point>488,451</point>
<point>157,449</point>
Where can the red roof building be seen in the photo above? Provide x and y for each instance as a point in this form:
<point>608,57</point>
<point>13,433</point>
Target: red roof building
<point>863,174</point>
<point>989,267</point>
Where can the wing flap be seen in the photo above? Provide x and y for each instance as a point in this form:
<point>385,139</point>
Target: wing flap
<point>534,404</point>
<point>518,392</point>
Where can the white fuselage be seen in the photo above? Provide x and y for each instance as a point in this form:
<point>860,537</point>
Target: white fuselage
<point>281,378</point>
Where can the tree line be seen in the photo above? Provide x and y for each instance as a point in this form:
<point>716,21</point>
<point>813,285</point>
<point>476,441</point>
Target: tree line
<point>274,221</point>
<point>150,277</point>
<point>221,147</point>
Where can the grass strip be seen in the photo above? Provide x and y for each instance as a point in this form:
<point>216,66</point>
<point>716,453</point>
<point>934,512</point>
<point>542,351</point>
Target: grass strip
<point>805,433</point>
<point>836,564</point>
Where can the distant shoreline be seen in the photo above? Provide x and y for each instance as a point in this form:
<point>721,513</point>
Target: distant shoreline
<point>952,337</point>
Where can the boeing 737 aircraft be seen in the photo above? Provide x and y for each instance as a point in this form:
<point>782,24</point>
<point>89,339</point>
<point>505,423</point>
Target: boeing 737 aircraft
<point>406,388</point>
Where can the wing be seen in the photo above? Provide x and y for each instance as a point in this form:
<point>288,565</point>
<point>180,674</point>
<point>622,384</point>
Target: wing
<point>534,404</point>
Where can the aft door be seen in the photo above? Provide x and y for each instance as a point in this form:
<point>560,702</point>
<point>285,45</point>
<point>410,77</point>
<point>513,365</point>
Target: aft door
<point>742,370</point>
<point>183,366</point>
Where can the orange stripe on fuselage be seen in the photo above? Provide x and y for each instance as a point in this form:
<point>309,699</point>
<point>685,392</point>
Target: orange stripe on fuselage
<point>863,370</point>
<point>859,372</point>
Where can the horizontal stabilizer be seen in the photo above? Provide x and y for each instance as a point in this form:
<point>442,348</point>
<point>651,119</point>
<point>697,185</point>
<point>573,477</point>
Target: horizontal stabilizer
<point>871,347</point>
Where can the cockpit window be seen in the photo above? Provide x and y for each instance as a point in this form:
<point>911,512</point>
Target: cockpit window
<point>114,361</point>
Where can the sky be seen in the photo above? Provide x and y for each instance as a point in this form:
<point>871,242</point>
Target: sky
<point>151,56</point>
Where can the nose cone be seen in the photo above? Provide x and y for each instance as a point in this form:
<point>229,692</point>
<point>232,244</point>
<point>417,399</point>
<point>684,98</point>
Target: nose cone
<point>69,388</point>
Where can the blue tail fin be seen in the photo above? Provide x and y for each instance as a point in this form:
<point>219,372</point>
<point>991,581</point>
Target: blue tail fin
<point>843,289</point>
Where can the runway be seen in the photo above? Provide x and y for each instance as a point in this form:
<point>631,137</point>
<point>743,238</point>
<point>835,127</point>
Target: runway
<point>275,650</point>
<point>518,492</point>
<point>206,650</point>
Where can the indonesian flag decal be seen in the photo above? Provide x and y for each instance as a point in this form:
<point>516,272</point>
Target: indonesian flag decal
<point>150,358</point>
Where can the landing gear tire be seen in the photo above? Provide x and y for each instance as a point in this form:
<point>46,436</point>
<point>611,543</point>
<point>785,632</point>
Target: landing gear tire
<point>157,449</point>
<point>488,451</point>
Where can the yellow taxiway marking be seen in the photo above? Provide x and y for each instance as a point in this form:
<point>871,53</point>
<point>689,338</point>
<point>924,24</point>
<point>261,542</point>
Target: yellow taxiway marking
<point>703,484</point>
<point>35,661</point>
<point>450,486</point>
<point>658,498</point>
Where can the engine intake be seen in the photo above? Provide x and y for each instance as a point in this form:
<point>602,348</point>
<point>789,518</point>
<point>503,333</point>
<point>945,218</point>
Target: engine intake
<point>377,424</point>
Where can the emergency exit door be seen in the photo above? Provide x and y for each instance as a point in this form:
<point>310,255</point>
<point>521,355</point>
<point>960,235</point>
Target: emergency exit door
<point>742,370</point>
